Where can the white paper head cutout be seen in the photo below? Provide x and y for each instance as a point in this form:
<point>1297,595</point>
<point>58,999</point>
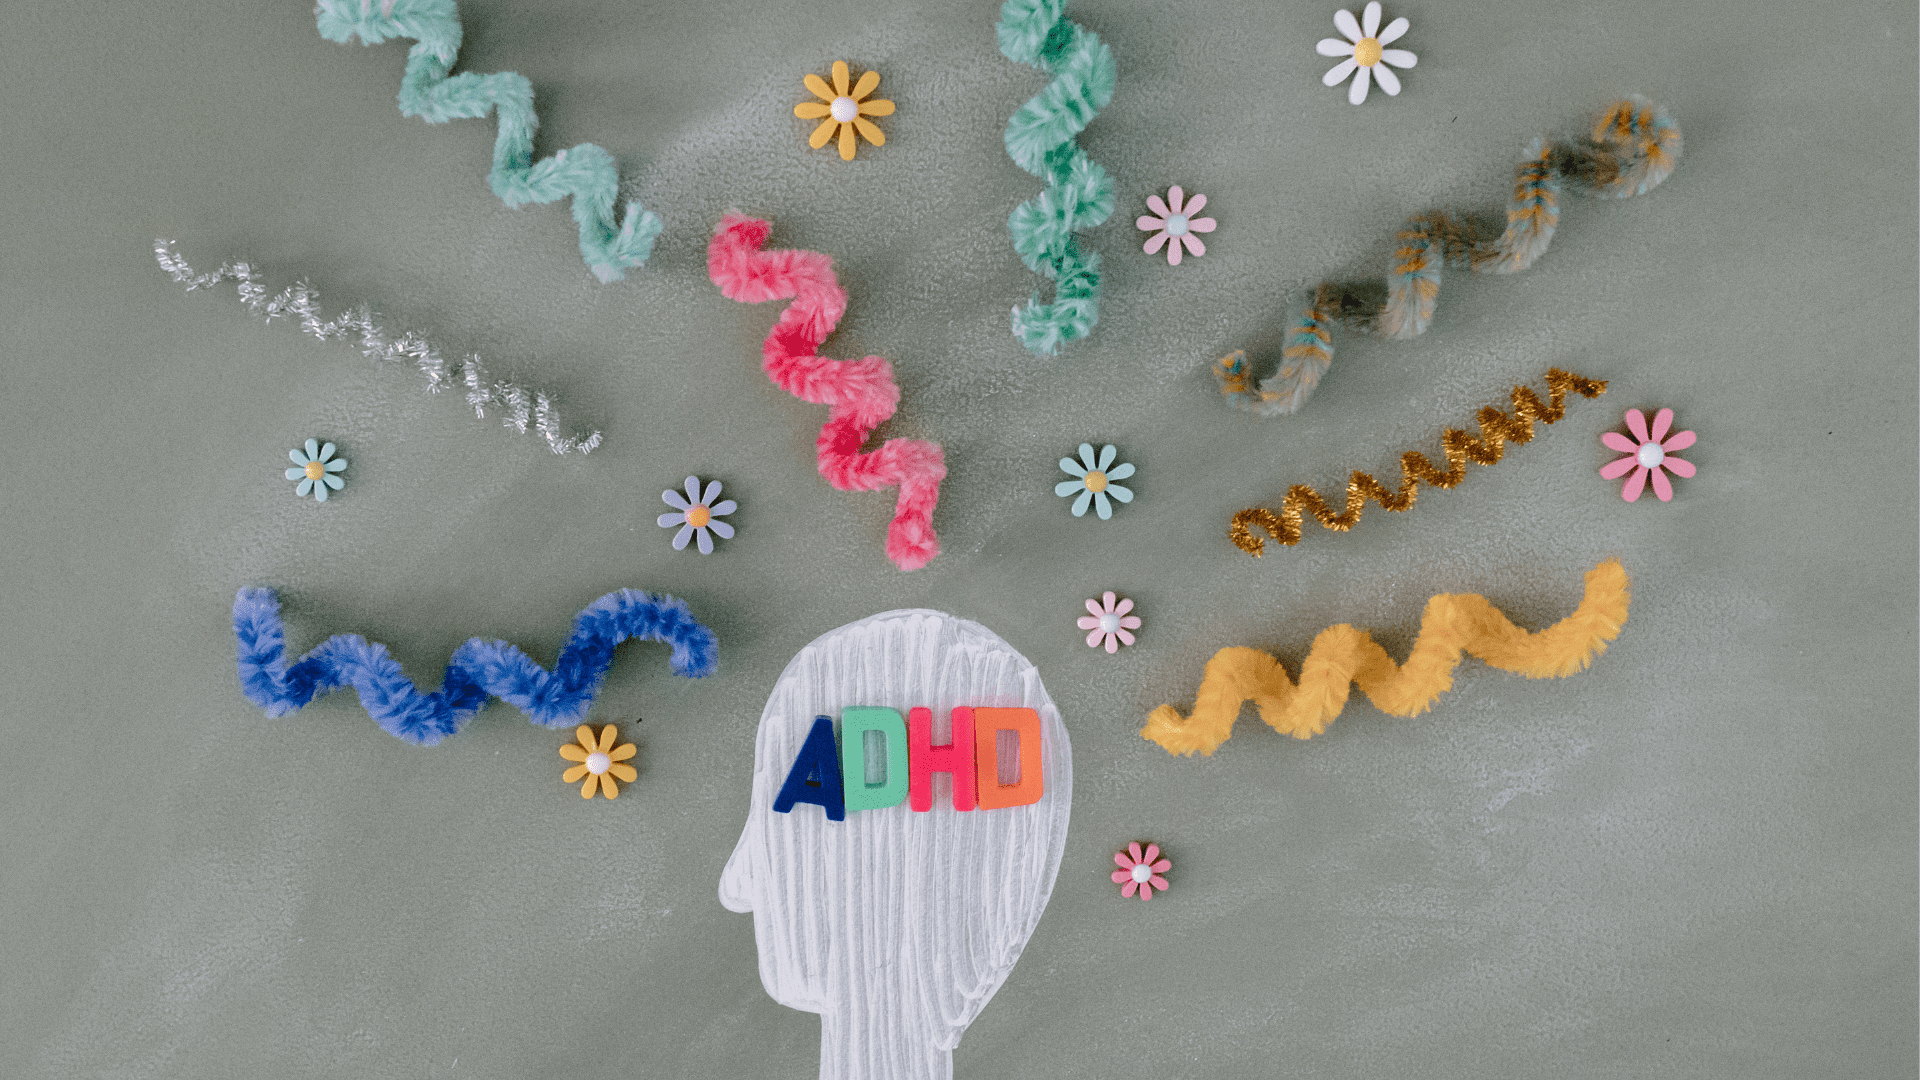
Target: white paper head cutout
<point>897,926</point>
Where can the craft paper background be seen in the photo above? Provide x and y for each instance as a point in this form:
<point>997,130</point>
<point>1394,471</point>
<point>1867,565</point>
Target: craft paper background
<point>1696,860</point>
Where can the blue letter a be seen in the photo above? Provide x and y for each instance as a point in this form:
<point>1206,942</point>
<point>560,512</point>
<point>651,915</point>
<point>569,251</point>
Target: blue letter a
<point>815,776</point>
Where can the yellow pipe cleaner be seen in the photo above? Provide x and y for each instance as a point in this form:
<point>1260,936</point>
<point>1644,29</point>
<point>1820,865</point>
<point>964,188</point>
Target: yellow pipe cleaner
<point>1497,429</point>
<point>1342,655</point>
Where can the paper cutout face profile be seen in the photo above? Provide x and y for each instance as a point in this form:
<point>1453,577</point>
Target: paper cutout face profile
<point>897,924</point>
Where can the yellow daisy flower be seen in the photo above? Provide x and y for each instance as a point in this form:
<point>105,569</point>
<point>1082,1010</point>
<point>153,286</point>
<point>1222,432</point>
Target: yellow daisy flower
<point>599,763</point>
<point>844,110</point>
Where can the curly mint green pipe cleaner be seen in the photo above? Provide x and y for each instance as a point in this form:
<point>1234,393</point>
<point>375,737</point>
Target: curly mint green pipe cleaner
<point>1079,193</point>
<point>585,172</point>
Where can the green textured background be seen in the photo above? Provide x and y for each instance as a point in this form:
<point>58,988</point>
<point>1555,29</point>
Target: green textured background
<point>1696,860</point>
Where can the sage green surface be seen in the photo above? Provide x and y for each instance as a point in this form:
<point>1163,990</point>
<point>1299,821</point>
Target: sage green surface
<point>1697,859</point>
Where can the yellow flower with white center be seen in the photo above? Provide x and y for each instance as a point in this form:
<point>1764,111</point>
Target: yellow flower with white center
<point>599,762</point>
<point>844,110</point>
<point>1368,58</point>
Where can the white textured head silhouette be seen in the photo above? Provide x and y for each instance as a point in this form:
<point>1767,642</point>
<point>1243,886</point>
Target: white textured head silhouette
<point>897,925</point>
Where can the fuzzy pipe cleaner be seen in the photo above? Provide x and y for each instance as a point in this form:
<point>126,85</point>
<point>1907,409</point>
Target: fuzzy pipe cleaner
<point>1079,193</point>
<point>1632,147</point>
<point>479,669</point>
<point>1497,429</point>
<point>586,172</point>
<point>1342,656</point>
<point>300,302</point>
<point>861,393</point>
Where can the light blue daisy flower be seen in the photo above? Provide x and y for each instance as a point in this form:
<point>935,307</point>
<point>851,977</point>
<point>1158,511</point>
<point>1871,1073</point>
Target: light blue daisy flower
<point>1096,481</point>
<point>698,515</point>
<point>316,470</point>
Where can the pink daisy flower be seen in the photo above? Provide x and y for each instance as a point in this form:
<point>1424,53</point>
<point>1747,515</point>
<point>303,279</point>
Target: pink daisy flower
<point>1109,622</point>
<point>1176,224</point>
<point>1647,456</point>
<point>1140,870</point>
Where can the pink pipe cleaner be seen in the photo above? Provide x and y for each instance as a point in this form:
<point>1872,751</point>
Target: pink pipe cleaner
<point>861,393</point>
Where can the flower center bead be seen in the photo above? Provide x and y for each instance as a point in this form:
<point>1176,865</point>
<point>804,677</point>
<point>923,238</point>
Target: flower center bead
<point>1651,455</point>
<point>699,516</point>
<point>1142,872</point>
<point>1366,51</point>
<point>315,470</point>
<point>1177,225</point>
<point>845,109</point>
<point>1095,480</point>
<point>598,763</point>
<point>1109,623</point>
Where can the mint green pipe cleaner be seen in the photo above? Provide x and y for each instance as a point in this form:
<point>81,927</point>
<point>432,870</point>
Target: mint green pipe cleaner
<point>585,172</point>
<point>1079,193</point>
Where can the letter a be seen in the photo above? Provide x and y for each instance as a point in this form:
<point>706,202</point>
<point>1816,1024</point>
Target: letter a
<point>815,776</point>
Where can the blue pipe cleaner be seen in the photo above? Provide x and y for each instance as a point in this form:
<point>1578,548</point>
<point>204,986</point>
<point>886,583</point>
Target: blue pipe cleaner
<point>585,172</point>
<point>1040,139</point>
<point>478,668</point>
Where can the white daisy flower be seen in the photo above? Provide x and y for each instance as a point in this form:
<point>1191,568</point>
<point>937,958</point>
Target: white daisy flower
<point>1096,481</point>
<point>1365,59</point>
<point>316,470</point>
<point>698,514</point>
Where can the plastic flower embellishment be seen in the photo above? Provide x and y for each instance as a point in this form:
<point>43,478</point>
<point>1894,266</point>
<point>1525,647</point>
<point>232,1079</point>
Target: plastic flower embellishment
<point>1096,481</point>
<point>1176,224</point>
<point>1366,59</point>
<point>1109,622</point>
<point>1141,870</point>
<point>697,514</point>
<point>1647,456</point>
<point>599,762</point>
<point>844,110</point>
<point>317,470</point>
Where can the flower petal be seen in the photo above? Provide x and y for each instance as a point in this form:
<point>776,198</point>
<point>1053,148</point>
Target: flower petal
<point>587,741</point>
<point>337,465</point>
<point>608,734</point>
<point>319,493</point>
<point>1093,639</point>
<point>1619,467</point>
<point>712,492</point>
<point>847,142</point>
<point>723,508</point>
<point>296,474</point>
<point>1370,18</point>
<point>626,773</point>
<point>1106,602</point>
<point>675,499</point>
<point>868,83</point>
<point>1339,71</point>
<point>693,491</point>
<point>1162,867</point>
<point>1393,33</point>
<point>1131,622</point>
<point>1174,251</point>
<point>818,85</point>
<point>623,752</point>
<point>812,110</point>
<point>327,450</point>
<point>876,107</point>
<point>1635,484</point>
<point>296,456</point>
<point>1080,504</point>
<point>1662,423</point>
<point>1202,224</point>
<point>1616,441</point>
<point>573,775</point>
<point>1112,645</point>
<point>1102,505</point>
<point>1146,890</point>
<point>607,787</point>
<point>1123,494</point>
<point>1133,849</point>
<point>1067,487</point>
<point>668,521</point>
<point>1154,204</point>
<point>1348,24</point>
<point>822,133</point>
<point>306,484</point>
<point>1107,454</point>
<point>1387,79</point>
<point>1333,46</point>
<point>1121,876</point>
<point>1123,636</point>
<point>1357,93</point>
<point>680,538</point>
<point>1662,487</point>
<point>1128,888</point>
<point>1399,58</point>
<point>1120,471</point>
<point>1680,466</point>
<point>1070,465</point>
<point>1087,457</point>
<point>573,752</point>
<point>1094,606</point>
<point>313,449</point>
<point>1148,223</point>
<point>1152,853</point>
<point>1680,441</point>
<point>1637,423</point>
<point>1087,622</point>
<point>1194,206</point>
<point>1175,197</point>
<point>592,785</point>
<point>721,529</point>
<point>1121,860</point>
<point>332,481</point>
<point>1152,245</point>
<point>870,130</point>
<point>1123,607</point>
<point>706,540</point>
<point>840,77</point>
<point>1194,245</point>
<point>1159,883</point>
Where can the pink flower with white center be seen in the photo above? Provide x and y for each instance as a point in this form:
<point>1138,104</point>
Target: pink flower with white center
<point>1647,456</point>
<point>1140,870</point>
<point>1176,224</point>
<point>1366,60</point>
<point>1109,622</point>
